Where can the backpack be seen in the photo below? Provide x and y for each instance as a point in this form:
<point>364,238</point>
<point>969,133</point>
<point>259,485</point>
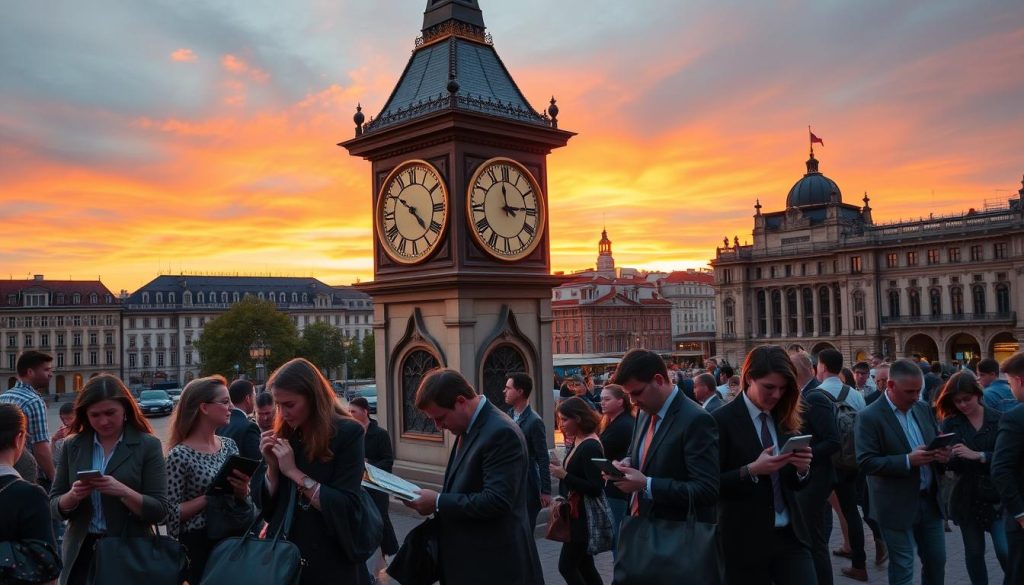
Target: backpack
<point>846,458</point>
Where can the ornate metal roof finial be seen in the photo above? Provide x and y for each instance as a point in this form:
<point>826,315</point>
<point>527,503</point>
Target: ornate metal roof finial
<point>736,241</point>
<point>725,242</point>
<point>867,200</point>
<point>553,112</point>
<point>358,118</point>
<point>453,85</point>
<point>757,206</point>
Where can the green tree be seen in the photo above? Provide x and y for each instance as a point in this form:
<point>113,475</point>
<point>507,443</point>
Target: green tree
<point>227,340</point>
<point>323,345</point>
<point>364,350</point>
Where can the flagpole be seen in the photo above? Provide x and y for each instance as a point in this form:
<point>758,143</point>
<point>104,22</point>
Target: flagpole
<point>810,140</point>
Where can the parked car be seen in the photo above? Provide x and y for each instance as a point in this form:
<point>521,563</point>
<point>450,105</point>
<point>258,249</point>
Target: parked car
<point>155,402</point>
<point>175,394</point>
<point>367,392</point>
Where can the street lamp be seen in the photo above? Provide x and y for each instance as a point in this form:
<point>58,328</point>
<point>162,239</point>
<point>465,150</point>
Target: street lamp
<point>259,351</point>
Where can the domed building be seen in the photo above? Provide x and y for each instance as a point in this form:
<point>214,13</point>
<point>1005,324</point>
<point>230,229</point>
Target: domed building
<point>820,273</point>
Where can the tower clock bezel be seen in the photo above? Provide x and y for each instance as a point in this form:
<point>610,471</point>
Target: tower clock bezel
<point>379,220</point>
<point>472,215</point>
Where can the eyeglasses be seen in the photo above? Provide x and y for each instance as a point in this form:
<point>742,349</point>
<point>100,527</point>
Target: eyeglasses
<point>225,402</point>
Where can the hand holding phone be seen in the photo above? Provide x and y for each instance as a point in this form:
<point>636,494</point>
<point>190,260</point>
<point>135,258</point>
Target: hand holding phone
<point>607,468</point>
<point>89,474</point>
<point>941,441</point>
<point>795,443</point>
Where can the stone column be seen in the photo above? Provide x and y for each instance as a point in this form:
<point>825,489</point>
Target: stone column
<point>845,308</point>
<point>817,312</point>
<point>799,312</point>
<point>784,307</point>
<point>768,313</point>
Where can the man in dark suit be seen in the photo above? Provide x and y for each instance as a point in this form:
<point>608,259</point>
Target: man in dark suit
<point>674,452</point>
<point>1008,468</point>
<point>892,435</point>
<point>379,453</point>
<point>819,420</point>
<point>706,394</point>
<point>518,389</point>
<point>243,431</point>
<point>484,534</point>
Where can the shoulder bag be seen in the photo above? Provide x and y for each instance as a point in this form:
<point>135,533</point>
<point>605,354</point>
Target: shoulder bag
<point>247,559</point>
<point>656,551</point>
<point>153,560</point>
<point>226,516</point>
<point>27,560</point>
<point>418,562</point>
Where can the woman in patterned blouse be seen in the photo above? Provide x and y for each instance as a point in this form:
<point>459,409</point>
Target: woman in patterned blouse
<point>195,456</point>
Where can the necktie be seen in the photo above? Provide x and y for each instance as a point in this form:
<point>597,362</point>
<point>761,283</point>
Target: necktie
<point>778,503</point>
<point>648,437</point>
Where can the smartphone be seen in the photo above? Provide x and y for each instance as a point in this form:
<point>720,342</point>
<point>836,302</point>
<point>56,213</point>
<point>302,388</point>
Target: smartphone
<point>87,474</point>
<point>794,443</point>
<point>942,441</point>
<point>607,467</point>
<point>220,483</point>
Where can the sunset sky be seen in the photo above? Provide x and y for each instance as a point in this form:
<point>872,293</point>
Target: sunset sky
<point>139,138</point>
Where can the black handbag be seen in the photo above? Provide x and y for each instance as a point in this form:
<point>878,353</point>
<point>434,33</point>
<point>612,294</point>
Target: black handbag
<point>28,561</point>
<point>252,561</point>
<point>418,561</point>
<point>655,551</point>
<point>226,516</point>
<point>153,560</point>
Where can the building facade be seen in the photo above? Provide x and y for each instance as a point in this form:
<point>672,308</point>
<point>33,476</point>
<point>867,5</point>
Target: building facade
<point>78,322</point>
<point>821,273</point>
<point>692,294</point>
<point>163,319</point>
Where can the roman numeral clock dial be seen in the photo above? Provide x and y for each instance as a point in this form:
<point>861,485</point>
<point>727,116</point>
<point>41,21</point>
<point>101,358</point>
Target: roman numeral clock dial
<point>505,209</point>
<point>412,212</point>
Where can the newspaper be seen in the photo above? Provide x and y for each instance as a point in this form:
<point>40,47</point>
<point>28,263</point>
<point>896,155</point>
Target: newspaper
<point>375,478</point>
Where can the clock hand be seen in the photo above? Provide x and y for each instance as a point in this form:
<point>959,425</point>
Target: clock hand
<point>505,196</point>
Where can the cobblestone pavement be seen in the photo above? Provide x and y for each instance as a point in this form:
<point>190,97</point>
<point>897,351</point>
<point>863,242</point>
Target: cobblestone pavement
<point>956,572</point>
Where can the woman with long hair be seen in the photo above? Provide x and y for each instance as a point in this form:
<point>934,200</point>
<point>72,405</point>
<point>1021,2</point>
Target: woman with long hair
<point>25,521</point>
<point>109,435</point>
<point>974,504</point>
<point>194,457</point>
<point>316,448</point>
<point>764,539</point>
<point>578,477</point>
<point>616,433</point>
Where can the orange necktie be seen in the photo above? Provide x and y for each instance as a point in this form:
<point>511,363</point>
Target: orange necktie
<point>634,509</point>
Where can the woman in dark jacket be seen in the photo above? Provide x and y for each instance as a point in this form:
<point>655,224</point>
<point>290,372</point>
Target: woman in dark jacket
<point>616,433</point>
<point>316,447</point>
<point>109,434</point>
<point>25,525</point>
<point>974,504</point>
<point>579,477</point>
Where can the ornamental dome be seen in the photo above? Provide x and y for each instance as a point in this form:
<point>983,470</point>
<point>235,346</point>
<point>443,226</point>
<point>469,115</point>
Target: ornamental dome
<point>813,189</point>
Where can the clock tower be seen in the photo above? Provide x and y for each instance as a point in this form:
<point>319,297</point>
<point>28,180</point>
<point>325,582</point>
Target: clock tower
<point>461,257</point>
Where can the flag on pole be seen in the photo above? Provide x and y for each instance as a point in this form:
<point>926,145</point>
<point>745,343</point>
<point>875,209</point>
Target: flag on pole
<point>816,139</point>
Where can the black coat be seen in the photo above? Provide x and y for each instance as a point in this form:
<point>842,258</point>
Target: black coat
<point>968,500</point>
<point>582,478</point>
<point>245,433</point>
<point>24,512</point>
<point>322,536</point>
<point>746,510</point>
<point>380,454</point>
<point>615,439</point>
<point>484,532</point>
<point>1008,465</point>
<point>683,458</point>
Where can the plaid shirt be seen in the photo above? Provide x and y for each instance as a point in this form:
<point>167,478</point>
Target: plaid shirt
<point>28,400</point>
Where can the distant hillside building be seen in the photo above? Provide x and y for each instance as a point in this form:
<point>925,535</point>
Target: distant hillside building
<point>692,294</point>
<point>163,318</point>
<point>822,273</point>
<point>78,322</point>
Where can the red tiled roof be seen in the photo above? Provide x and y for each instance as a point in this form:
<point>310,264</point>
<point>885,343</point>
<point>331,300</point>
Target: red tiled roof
<point>681,276</point>
<point>54,287</point>
<point>565,303</point>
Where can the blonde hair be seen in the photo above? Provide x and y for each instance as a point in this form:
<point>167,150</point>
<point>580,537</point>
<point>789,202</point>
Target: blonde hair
<point>186,414</point>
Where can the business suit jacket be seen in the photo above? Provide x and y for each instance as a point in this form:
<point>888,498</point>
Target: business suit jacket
<point>245,433</point>
<point>484,532</point>
<point>882,448</point>
<point>538,476</point>
<point>137,462</point>
<point>819,420</point>
<point>683,455</point>
<point>380,454</point>
<point>746,516</point>
<point>1008,464</point>
<point>715,403</point>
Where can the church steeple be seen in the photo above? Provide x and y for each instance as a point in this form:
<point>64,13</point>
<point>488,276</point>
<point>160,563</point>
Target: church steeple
<point>605,262</point>
<point>440,12</point>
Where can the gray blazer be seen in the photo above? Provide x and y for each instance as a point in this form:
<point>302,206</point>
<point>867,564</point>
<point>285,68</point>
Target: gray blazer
<point>137,462</point>
<point>882,449</point>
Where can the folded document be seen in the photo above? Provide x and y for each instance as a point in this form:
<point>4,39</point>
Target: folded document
<point>375,478</point>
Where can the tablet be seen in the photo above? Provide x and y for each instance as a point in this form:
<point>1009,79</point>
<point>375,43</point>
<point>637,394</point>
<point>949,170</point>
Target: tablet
<point>794,443</point>
<point>942,441</point>
<point>220,483</point>
<point>607,467</point>
<point>87,474</point>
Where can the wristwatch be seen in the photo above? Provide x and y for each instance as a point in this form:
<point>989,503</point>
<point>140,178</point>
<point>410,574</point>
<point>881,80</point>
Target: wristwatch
<point>307,483</point>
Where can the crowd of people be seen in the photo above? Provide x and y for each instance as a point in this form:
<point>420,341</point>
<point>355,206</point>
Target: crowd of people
<point>676,473</point>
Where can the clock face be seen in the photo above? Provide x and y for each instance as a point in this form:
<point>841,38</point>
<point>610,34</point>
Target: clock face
<point>412,212</point>
<point>505,209</point>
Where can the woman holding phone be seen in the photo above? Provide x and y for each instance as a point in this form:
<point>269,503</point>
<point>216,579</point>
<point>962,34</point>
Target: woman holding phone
<point>111,477</point>
<point>616,433</point>
<point>196,455</point>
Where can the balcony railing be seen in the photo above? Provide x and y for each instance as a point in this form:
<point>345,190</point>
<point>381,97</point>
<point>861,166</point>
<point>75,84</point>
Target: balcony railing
<point>949,318</point>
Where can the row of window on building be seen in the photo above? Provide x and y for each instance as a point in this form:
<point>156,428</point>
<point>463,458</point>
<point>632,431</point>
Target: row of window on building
<point>60,338</point>
<point>60,321</point>
<point>60,361</point>
<point>43,299</point>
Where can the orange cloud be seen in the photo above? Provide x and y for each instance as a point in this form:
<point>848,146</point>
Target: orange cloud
<point>184,55</point>
<point>236,64</point>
